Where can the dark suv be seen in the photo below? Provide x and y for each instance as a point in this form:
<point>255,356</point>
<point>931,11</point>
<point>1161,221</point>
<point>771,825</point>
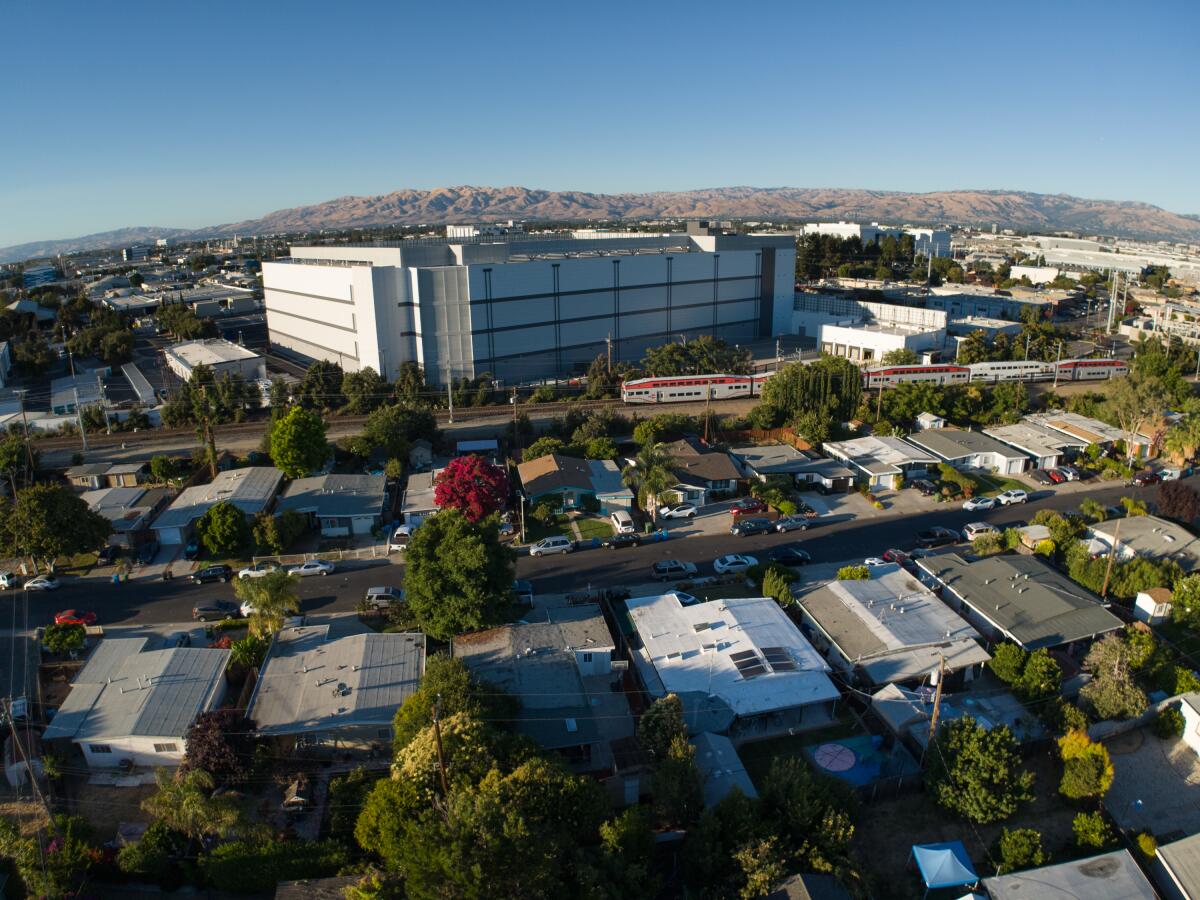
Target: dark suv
<point>937,536</point>
<point>747,506</point>
<point>747,527</point>
<point>215,611</point>
<point>1142,479</point>
<point>925,486</point>
<point>617,541</point>
<point>212,573</point>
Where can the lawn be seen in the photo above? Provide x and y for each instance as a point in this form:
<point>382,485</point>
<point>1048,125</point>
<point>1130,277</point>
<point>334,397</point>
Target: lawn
<point>79,564</point>
<point>758,756</point>
<point>996,484</point>
<point>535,531</point>
<point>1186,642</point>
<point>594,528</point>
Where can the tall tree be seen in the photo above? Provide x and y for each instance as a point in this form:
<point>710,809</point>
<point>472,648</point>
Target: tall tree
<point>184,802</point>
<point>364,390</point>
<point>472,485</point>
<point>298,445</point>
<point>651,476</point>
<point>47,521</point>
<point>661,724</point>
<point>976,772</point>
<point>394,428</point>
<point>321,386</point>
<point>1178,501</point>
<point>1136,403</point>
<point>223,530</point>
<point>272,596</point>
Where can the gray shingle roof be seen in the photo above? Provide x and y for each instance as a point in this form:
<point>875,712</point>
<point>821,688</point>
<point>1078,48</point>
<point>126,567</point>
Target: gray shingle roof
<point>335,496</point>
<point>950,443</point>
<point>250,490</point>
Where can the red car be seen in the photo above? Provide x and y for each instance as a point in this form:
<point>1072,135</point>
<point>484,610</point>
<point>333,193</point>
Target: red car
<point>748,506</point>
<point>1056,476</point>
<point>71,617</point>
<point>1142,479</point>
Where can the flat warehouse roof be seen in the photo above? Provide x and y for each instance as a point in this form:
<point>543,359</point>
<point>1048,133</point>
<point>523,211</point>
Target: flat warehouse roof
<point>210,352</point>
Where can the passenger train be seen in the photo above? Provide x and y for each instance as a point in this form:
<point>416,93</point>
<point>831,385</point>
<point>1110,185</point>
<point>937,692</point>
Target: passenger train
<point>693,388</point>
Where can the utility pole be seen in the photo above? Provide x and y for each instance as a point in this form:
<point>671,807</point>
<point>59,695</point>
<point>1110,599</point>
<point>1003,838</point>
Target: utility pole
<point>210,440</point>
<point>608,342</point>
<point>37,789</point>
<point>516,437</point>
<point>20,392</point>
<point>879,403</point>
<point>1057,360</point>
<point>437,734</point>
<point>450,393</point>
<point>103,404</point>
<point>1111,553</point>
<point>79,418</point>
<point>937,698</point>
<point>1028,338</point>
<point>707,411</point>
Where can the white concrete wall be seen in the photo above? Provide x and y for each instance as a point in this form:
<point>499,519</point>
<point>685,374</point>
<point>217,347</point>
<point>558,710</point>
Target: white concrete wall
<point>600,663</point>
<point>1191,727</point>
<point>139,749</point>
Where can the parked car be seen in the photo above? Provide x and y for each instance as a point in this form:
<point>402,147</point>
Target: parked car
<point>1056,476</point>
<point>1070,472</point>
<point>192,550</point>
<point>1145,478</point>
<point>212,573</point>
<point>383,597</point>
<point>400,538</point>
<point>556,544</point>
<point>790,556</point>
<point>980,503</point>
<point>107,555</point>
<point>672,570</point>
<point>71,617</point>
<point>617,541</point>
<point>896,556</point>
<point>875,561</point>
<point>733,562</point>
<point>924,485</point>
<point>177,639</point>
<point>976,529</point>
<point>258,570</point>
<point>937,536</point>
<point>215,611</point>
<point>1010,497</point>
<point>745,527</point>
<point>42,583</point>
<point>784,524</point>
<point>1041,476</point>
<point>1170,474</point>
<point>678,511</point>
<point>523,591</point>
<point>9,580</point>
<point>147,552</point>
<point>747,506</point>
<point>312,567</point>
<point>622,522</point>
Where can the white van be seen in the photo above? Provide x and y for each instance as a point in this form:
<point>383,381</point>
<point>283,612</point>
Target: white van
<point>383,597</point>
<point>622,522</point>
<point>400,538</point>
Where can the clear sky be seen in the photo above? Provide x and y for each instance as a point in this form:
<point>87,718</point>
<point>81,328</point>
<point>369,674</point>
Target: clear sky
<point>192,114</point>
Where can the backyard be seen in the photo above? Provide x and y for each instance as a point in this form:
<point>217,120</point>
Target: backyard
<point>758,756</point>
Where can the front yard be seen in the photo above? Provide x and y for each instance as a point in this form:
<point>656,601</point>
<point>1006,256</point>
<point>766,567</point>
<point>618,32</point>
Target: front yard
<point>589,527</point>
<point>990,485</point>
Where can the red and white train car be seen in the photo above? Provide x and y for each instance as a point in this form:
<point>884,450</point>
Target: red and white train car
<point>685,388</point>
<point>1091,369</point>
<point>934,373</point>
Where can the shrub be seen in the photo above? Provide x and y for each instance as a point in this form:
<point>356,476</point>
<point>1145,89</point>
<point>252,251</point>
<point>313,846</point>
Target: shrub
<point>1045,548</point>
<point>1087,769</point>
<point>256,864</point>
<point>543,514</point>
<point>854,573</point>
<point>64,638</point>
<point>1147,845</point>
<point>987,544</point>
<point>1168,723</point>
<point>1092,832</point>
<point>1008,662</point>
<point>1020,848</point>
<point>777,584</point>
<point>1064,716</point>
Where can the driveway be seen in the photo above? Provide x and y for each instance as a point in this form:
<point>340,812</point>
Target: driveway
<point>1157,784</point>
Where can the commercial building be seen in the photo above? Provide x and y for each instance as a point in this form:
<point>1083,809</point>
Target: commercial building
<point>568,483</point>
<point>72,393</point>
<point>524,308</point>
<point>960,302</point>
<point>880,460</point>
<point>136,253</point>
<point>1149,537</point>
<point>925,240</point>
<point>221,356</point>
<point>33,276</point>
<point>891,629</point>
<point>335,692</point>
<point>559,664</point>
<point>864,330</point>
<point>971,450</point>
<point>251,490</point>
<point>740,666</point>
<point>1020,599</point>
<point>128,703</point>
<point>1035,274</point>
<point>338,505</point>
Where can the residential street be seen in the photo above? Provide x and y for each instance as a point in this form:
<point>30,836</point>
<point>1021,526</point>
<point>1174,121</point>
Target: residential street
<point>155,602</point>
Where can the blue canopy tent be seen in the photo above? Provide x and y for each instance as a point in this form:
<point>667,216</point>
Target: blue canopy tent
<point>944,865</point>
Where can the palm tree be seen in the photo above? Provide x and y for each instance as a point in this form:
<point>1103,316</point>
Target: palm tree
<point>1093,509</point>
<point>651,476</point>
<point>184,803</point>
<point>1183,439</point>
<point>272,596</point>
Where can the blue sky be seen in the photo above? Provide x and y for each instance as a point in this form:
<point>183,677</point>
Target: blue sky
<point>185,115</point>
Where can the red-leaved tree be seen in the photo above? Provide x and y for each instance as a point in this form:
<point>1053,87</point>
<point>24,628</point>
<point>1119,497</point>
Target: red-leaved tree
<point>473,486</point>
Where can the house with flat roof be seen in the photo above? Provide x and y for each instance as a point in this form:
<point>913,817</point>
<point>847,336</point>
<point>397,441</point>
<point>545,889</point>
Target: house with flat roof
<point>880,459</point>
<point>765,461</point>
<point>131,703</point>
<point>558,663</point>
<point>338,505</point>
<point>1110,876</point>
<point>740,666</point>
<point>1176,869</point>
<point>701,471</point>
<point>566,481</point>
<point>335,692</point>
<point>1085,428</point>
<point>720,767</point>
<point>1020,599</point>
<point>1149,537</point>
<point>251,490</point>
<point>417,503</point>
<point>908,713</point>
<point>93,476</point>
<point>1046,447</point>
<point>890,629</point>
<point>71,393</point>
<point>971,450</point>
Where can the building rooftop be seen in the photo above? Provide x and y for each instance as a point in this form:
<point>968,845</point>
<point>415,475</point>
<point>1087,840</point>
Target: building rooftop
<point>1111,876</point>
<point>694,462</point>
<point>418,494</point>
<point>250,490</point>
<point>1090,430</point>
<point>880,455</point>
<point>88,387</point>
<point>720,768</point>
<point>892,627</point>
<point>1153,538</point>
<point>1182,861</point>
<point>125,691</point>
<point>1029,601</point>
<point>772,459</point>
<point>310,683</point>
<point>953,443</point>
<point>1035,439</point>
<point>335,496</point>
<point>555,472</point>
<point>209,352</point>
<point>745,652</point>
<point>908,712</point>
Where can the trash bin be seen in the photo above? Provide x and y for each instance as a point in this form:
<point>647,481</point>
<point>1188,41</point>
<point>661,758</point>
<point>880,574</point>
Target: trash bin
<point>116,577</point>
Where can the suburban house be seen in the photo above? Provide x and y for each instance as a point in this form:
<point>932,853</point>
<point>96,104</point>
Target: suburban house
<point>720,768</point>
<point>93,476</point>
<point>251,490</point>
<point>559,663</point>
<point>1149,537</point>
<point>890,629</point>
<point>774,460</point>
<point>740,666</point>
<point>129,510</point>
<point>1020,599</point>
<point>1189,705</point>
<point>339,505</point>
<point>129,703</point>
<point>701,472</point>
<point>1089,430</point>
<point>880,460</point>
<point>417,503</point>
<point>908,713</point>
<point>1176,869</point>
<point>1110,876</point>
<point>420,454</point>
<point>1153,606</point>
<point>567,482</point>
<point>971,450</point>
<point>1046,447</point>
<point>335,692</point>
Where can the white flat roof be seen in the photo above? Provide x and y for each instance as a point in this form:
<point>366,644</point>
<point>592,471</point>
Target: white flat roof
<point>210,352</point>
<point>745,651</point>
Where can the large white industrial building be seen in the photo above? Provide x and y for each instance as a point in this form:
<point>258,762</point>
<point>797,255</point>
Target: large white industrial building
<point>521,307</point>
<point>925,240</point>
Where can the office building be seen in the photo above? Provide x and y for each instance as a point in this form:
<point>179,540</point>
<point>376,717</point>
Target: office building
<point>524,307</point>
<point>37,275</point>
<point>221,356</point>
<point>136,253</point>
<point>864,330</point>
<point>925,240</point>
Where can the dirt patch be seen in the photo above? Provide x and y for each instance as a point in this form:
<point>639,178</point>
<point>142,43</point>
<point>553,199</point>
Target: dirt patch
<point>887,830</point>
<point>105,807</point>
<point>29,816</point>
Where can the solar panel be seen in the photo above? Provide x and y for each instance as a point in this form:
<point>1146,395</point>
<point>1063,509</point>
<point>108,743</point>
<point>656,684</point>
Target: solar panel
<point>751,671</point>
<point>743,655</point>
<point>783,665</point>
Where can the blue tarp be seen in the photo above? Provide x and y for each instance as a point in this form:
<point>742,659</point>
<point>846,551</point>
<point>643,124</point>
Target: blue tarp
<point>944,865</point>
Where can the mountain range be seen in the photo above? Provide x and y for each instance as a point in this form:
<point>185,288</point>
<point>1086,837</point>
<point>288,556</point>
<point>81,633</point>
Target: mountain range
<point>1006,209</point>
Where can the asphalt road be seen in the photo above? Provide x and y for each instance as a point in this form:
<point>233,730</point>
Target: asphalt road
<point>157,602</point>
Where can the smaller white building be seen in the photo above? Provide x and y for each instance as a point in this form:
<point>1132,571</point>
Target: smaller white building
<point>1190,707</point>
<point>1153,606</point>
<point>221,356</point>
<point>128,703</point>
<point>1035,274</point>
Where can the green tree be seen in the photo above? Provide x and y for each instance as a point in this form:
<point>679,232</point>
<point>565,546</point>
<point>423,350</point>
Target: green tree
<point>1185,602</point>
<point>364,390</point>
<point>777,584</point>
<point>627,854</point>
<point>901,356</point>
<point>543,446</point>
<point>1020,848</point>
<point>14,461</point>
<point>1112,692</point>
<point>651,476</point>
<point>223,530</point>
<point>448,683</point>
<point>47,521</point>
<point>394,428</point>
<point>64,638</point>
<point>155,856</point>
<point>831,385</point>
<point>274,534</point>
<point>678,793</point>
<point>298,445</point>
<point>184,802</point>
<point>1008,662</point>
<point>410,384</point>
<point>854,573</point>
<point>660,725</point>
<point>1087,769</point>
<point>321,387</point>
<point>1093,833</point>
<point>165,469</point>
<point>259,860</point>
<point>1093,510</point>
<point>974,348</point>
<point>458,575</point>
<point>1042,678</point>
<point>976,772</point>
<point>599,448</point>
<point>1134,403</point>
<point>273,598</point>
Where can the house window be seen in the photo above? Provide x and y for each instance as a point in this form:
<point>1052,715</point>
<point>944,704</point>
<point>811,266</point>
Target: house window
<point>99,748</point>
<point>587,657</point>
<point>329,523</point>
<point>166,748</point>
